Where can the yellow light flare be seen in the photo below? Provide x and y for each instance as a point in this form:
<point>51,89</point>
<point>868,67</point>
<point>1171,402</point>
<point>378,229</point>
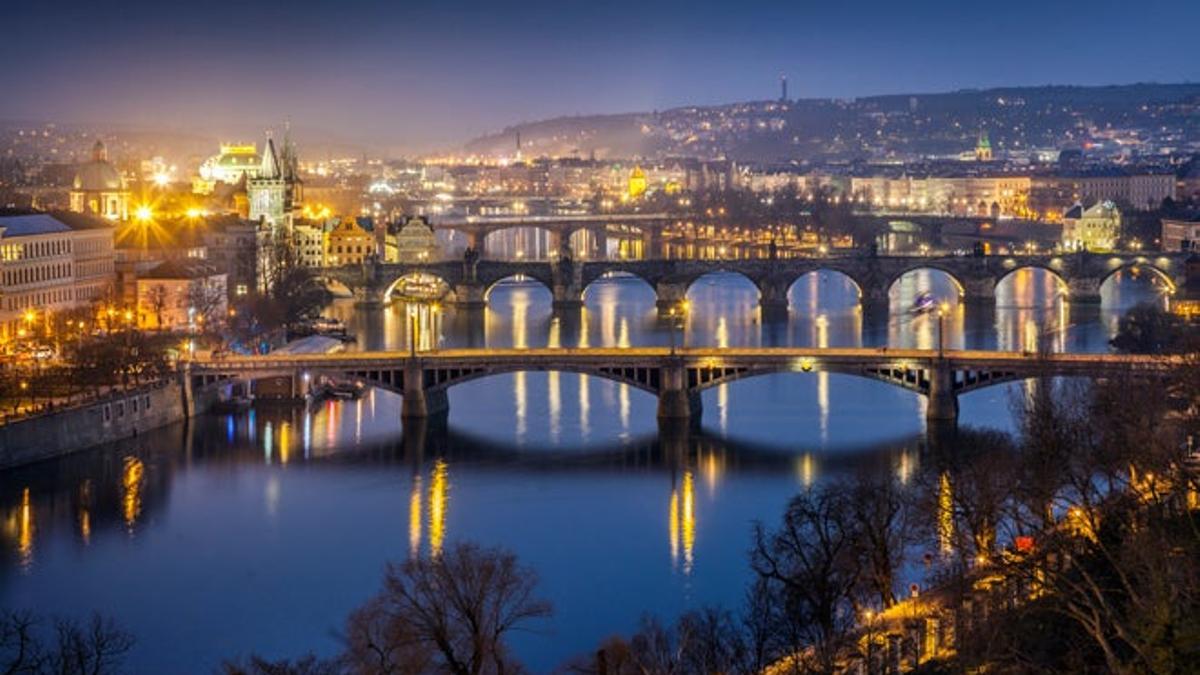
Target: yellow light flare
<point>143,213</point>
<point>414,518</point>
<point>673,526</point>
<point>25,531</point>
<point>132,478</point>
<point>689,522</point>
<point>439,487</point>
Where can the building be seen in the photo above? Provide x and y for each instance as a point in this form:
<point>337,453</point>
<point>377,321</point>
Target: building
<point>99,189</point>
<point>267,192</point>
<point>239,248</point>
<point>182,295</point>
<point>50,263</point>
<point>93,252</point>
<point>414,242</point>
<point>275,195</point>
<point>983,148</point>
<point>309,239</point>
<point>235,162</point>
<point>1141,192</point>
<point>348,243</point>
<point>1181,234</point>
<point>1093,229</point>
<point>637,183</point>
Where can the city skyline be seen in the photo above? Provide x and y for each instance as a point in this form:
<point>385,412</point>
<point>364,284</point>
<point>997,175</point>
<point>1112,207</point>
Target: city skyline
<point>422,77</point>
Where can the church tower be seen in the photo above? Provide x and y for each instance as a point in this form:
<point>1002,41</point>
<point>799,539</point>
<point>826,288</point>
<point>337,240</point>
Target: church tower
<point>268,192</point>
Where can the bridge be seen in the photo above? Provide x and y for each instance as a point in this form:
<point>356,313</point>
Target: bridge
<point>1081,275</point>
<point>560,227</point>
<point>675,377</point>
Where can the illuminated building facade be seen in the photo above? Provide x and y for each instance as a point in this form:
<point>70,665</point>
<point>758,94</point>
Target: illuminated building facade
<point>1094,229</point>
<point>181,295</point>
<point>50,263</point>
<point>414,242</point>
<point>348,243</point>
<point>236,161</point>
<point>637,183</point>
<point>98,187</point>
<point>276,193</point>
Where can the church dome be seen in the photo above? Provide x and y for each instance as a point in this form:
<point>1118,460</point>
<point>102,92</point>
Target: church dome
<point>98,175</point>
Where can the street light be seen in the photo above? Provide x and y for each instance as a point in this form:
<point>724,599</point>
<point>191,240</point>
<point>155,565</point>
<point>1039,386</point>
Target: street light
<point>677,314</point>
<point>943,309</point>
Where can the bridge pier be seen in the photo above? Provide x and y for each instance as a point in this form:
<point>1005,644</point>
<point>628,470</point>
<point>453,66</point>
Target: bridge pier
<point>670,295</point>
<point>566,297</point>
<point>677,405</point>
<point>773,300</point>
<point>369,297</point>
<point>979,291</point>
<point>1083,290</point>
<point>469,296</point>
<point>942,402</point>
<point>418,402</point>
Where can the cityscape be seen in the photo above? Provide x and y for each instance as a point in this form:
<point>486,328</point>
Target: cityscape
<point>417,339</point>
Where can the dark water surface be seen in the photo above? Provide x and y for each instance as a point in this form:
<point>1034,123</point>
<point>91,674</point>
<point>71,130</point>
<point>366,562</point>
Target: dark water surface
<point>261,531</point>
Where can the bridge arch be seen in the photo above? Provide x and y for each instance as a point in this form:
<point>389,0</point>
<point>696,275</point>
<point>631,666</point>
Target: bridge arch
<point>436,286</point>
<point>335,286</point>
<point>815,277</point>
<point>617,274</point>
<point>956,282</point>
<point>691,283</point>
<point>518,277</point>
<point>1009,277</point>
<point>1135,267</point>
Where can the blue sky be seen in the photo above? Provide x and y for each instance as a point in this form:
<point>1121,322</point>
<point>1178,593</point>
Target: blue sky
<point>424,73</point>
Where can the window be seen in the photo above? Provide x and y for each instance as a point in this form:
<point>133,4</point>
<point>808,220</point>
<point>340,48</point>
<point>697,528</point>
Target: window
<point>146,401</point>
<point>134,403</point>
<point>107,413</point>
<point>120,409</point>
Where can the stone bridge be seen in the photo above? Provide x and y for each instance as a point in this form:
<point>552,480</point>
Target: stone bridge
<point>1080,275</point>
<point>676,377</point>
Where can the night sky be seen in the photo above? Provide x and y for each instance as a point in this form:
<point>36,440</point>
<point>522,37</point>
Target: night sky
<point>417,74</point>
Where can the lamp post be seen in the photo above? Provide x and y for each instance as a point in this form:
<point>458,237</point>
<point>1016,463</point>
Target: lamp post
<point>943,309</point>
<point>677,314</point>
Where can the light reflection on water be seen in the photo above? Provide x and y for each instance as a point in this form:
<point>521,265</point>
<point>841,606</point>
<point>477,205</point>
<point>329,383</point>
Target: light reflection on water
<point>261,531</point>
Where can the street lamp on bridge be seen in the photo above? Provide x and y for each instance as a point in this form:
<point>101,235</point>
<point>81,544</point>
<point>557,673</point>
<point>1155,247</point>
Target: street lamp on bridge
<point>678,315</point>
<point>943,310</point>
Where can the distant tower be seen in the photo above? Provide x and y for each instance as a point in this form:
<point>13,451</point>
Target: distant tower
<point>518,144</point>
<point>783,88</point>
<point>983,148</point>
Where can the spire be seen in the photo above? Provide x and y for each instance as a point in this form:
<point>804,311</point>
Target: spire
<point>270,161</point>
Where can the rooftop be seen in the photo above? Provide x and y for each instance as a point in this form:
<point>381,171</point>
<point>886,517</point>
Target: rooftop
<point>182,269</point>
<point>31,225</point>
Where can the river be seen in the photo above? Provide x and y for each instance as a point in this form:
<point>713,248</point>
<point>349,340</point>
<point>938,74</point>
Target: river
<point>261,531</point>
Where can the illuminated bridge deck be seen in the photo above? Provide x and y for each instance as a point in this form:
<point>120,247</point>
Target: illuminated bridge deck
<point>677,376</point>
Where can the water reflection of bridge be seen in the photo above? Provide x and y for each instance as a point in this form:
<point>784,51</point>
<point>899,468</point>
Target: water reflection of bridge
<point>1080,275</point>
<point>676,378</point>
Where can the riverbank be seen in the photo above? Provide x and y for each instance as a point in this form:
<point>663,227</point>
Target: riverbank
<point>113,417</point>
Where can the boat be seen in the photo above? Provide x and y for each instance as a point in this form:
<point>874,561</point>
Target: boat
<point>234,404</point>
<point>339,390</point>
<point>924,302</point>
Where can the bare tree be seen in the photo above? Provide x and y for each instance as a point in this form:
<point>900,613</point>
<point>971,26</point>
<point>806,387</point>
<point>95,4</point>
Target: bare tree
<point>458,607</point>
<point>812,564</point>
<point>97,647</point>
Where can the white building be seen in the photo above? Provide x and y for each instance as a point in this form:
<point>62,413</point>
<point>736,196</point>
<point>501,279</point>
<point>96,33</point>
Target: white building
<point>49,263</point>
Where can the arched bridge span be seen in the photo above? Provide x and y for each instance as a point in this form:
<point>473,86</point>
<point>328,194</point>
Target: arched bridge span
<point>677,377</point>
